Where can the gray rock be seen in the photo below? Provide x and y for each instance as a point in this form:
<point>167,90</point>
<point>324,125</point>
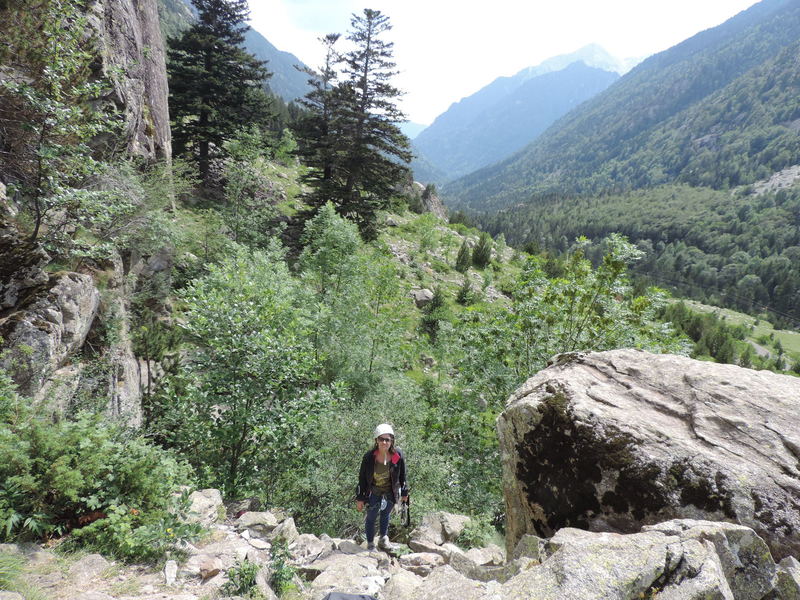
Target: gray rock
<point>262,583</point>
<point>745,560</point>
<point>490,555</point>
<point>170,573</point>
<point>348,547</point>
<point>421,563</point>
<point>130,43</point>
<point>92,596</point>
<point>308,548</point>
<point>601,566</point>
<point>42,335</point>
<point>354,574</point>
<point>401,585</point>
<point>22,267</point>
<point>11,596</point>
<point>615,440</point>
<point>88,567</point>
<point>439,527</point>
<point>422,297</point>
<point>787,579</point>
<point>206,506</point>
<point>444,583</point>
<point>285,531</point>
<point>237,508</point>
<point>529,546</point>
<point>259,524</point>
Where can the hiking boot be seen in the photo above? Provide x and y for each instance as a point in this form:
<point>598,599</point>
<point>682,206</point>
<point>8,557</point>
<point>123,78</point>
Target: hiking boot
<point>384,543</point>
<point>370,546</point>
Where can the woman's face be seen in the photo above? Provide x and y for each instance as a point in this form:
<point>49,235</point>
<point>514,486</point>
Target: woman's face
<point>384,442</point>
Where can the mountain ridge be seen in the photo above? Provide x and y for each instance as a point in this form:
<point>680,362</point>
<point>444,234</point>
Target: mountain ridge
<point>510,112</point>
<point>587,149</point>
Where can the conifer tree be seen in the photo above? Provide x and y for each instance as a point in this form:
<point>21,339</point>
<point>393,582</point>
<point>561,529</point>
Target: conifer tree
<point>482,255</point>
<point>215,86</point>
<point>464,258</point>
<point>358,148</point>
<point>318,129</point>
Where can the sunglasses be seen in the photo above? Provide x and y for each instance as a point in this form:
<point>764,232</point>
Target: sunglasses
<point>385,439</point>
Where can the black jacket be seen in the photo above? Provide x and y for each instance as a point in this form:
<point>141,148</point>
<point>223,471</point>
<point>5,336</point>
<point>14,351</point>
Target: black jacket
<point>397,472</point>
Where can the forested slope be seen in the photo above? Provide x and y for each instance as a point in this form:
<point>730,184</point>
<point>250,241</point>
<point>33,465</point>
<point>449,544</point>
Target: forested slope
<point>731,249</point>
<point>718,109</point>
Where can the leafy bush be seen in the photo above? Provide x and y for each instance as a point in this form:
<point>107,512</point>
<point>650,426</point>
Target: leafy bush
<point>478,533</point>
<point>242,580</point>
<point>282,570</point>
<point>86,477</point>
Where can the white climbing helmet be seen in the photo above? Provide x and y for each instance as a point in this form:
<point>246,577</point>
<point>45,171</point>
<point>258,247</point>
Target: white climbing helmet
<point>382,429</point>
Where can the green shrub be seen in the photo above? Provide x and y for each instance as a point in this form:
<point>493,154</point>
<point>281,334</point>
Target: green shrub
<point>242,580</point>
<point>478,533</point>
<point>282,570</point>
<point>114,493</point>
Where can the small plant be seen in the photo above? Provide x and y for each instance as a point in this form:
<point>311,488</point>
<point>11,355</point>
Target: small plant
<point>478,533</point>
<point>242,580</point>
<point>282,571</point>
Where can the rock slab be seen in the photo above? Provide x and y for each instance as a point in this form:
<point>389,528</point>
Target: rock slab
<point>612,441</point>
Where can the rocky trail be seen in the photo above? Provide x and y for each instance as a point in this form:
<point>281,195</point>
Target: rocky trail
<point>680,559</point>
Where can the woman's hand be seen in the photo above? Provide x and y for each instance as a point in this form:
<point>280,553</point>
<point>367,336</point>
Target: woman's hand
<point>359,505</point>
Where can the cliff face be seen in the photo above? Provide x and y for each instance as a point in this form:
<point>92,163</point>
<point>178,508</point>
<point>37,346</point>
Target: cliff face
<point>47,317</point>
<point>132,55</point>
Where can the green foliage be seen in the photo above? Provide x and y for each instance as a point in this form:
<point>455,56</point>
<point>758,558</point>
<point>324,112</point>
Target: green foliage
<point>286,149</point>
<point>433,313</point>
<point>355,326</point>
<point>47,118</point>
<point>242,580</point>
<point>239,402</point>
<point>281,569</point>
<point>13,577</point>
<point>349,135</point>
<point>249,211</point>
<point>88,477</point>
<point>478,533</point>
<point>215,86</point>
<point>720,248</point>
<point>464,258</point>
<point>482,254</point>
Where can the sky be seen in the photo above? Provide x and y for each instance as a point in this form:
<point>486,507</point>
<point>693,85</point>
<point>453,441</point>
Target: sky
<point>446,50</point>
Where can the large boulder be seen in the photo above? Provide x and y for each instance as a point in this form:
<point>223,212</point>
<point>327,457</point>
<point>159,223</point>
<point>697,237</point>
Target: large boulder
<point>674,560</point>
<point>22,267</point>
<point>611,441</point>
<point>46,329</point>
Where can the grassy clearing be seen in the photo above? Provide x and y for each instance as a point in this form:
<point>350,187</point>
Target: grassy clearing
<point>761,331</point>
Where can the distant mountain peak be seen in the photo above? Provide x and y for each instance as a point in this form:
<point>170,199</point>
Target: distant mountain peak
<point>592,55</point>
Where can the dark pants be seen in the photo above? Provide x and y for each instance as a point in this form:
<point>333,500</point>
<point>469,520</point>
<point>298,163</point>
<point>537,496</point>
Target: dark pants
<point>373,508</point>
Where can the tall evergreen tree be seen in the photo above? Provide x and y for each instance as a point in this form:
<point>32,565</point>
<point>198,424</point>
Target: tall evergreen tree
<point>318,129</point>
<point>375,141</point>
<point>350,136</point>
<point>215,86</point>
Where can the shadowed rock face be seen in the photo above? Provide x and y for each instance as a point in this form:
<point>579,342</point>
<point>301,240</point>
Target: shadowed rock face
<point>130,43</point>
<point>615,440</point>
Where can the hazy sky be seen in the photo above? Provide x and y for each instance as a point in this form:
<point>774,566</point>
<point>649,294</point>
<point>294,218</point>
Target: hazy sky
<point>448,49</point>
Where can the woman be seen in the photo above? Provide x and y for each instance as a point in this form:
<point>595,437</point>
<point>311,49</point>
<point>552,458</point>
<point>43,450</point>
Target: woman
<point>381,481</point>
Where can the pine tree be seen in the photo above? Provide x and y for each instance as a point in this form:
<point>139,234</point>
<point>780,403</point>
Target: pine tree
<point>318,129</point>
<point>375,141</point>
<point>464,258</point>
<point>215,86</point>
<point>482,255</point>
<point>350,137</point>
